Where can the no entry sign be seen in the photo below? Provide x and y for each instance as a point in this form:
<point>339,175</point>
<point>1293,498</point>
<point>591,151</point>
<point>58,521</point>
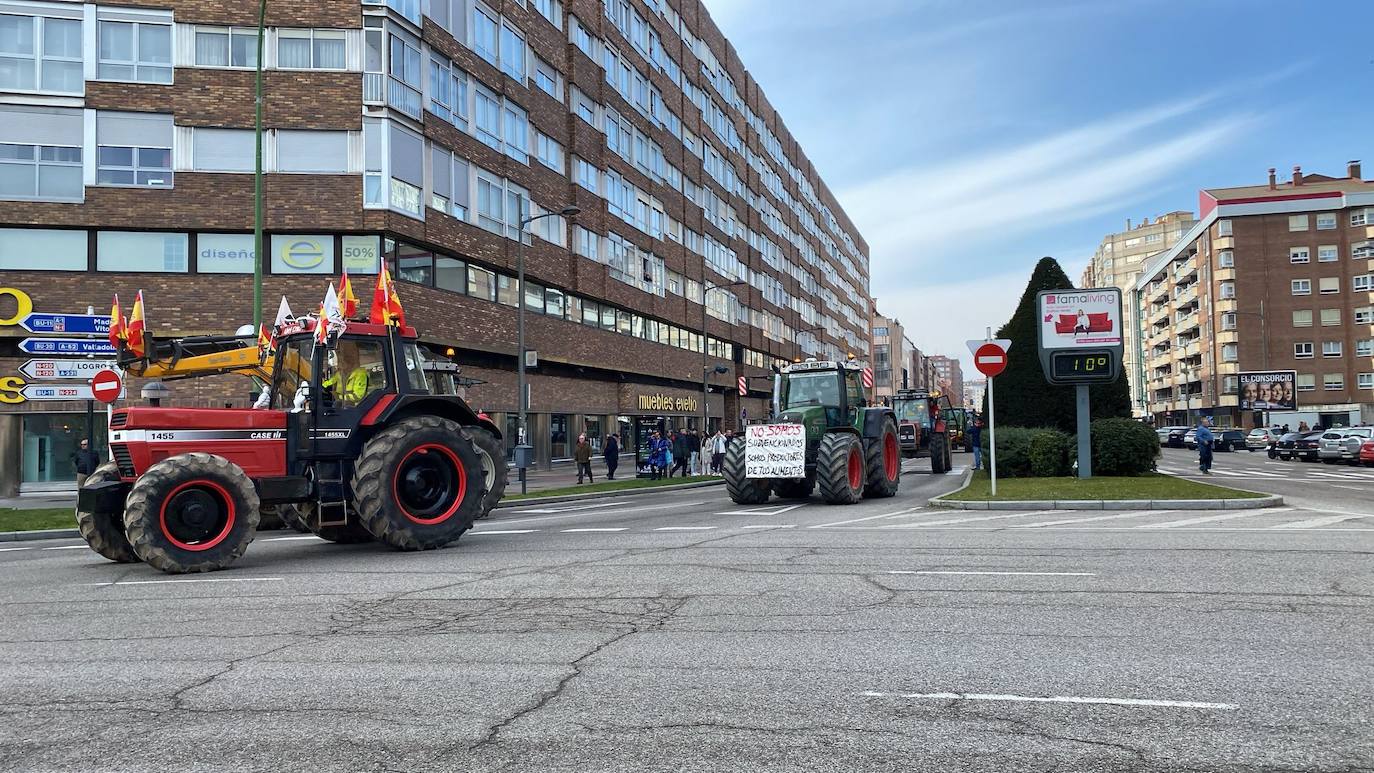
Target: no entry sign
<point>990,359</point>
<point>105,386</point>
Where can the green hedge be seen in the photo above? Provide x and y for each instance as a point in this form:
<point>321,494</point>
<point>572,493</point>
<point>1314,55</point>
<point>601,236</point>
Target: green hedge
<point>1123,447</point>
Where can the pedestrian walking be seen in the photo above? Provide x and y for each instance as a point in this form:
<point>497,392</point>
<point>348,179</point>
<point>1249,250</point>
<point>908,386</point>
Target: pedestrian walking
<point>662,452</point>
<point>694,445</point>
<point>85,460</point>
<point>682,454</point>
<point>582,455</point>
<point>717,451</point>
<point>1204,445</point>
<point>975,441</point>
<point>612,454</point>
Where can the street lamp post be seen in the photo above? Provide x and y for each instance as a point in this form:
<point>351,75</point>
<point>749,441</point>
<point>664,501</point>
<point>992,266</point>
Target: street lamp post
<point>706,287</point>
<point>523,450</point>
<point>797,341</point>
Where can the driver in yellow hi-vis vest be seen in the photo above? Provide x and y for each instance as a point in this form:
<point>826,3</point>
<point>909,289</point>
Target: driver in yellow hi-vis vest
<point>348,374</point>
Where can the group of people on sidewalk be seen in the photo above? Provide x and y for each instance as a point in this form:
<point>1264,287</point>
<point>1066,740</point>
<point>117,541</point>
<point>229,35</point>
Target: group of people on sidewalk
<point>683,451</point>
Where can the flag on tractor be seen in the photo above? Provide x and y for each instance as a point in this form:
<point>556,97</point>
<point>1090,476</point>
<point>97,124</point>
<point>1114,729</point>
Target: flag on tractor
<point>347,300</point>
<point>283,313</point>
<point>322,326</point>
<point>386,304</point>
<point>134,331</point>
<point>265,340</point>
<point>118,324</point>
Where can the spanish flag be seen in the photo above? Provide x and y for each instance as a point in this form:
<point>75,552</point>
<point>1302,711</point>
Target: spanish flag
<point>264,340</point>
<point>118,333</point>
<point>348,302</point>
<point>386,304</point>
<point>322,326</point>
<point>134,332</point>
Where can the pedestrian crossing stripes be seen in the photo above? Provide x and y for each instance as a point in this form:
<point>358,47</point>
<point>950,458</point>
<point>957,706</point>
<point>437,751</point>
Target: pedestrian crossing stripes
<point>1320,475</point>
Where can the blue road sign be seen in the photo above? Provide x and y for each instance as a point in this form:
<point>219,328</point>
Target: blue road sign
<point>66,323</point>
<point>66,346</point>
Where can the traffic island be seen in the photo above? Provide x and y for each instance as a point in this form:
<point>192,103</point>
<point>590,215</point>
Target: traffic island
<point>1151,491</point>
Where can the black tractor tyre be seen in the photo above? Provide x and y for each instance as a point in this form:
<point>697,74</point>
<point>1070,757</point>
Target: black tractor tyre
<point>883,463</point>
<point>270,518</point>
<point>794,488</point>
<point>939,453</point>
<point>494,469</point>
<point>193,512</point>
<point>291,518</point>
<point>840,468</point>
<point>418,484</point>
<point>104,532</point>
<point>351,533</point>
<point>742,489</point>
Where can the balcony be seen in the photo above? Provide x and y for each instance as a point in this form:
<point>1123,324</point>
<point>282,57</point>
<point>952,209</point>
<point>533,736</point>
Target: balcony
<point>1224,273</point>
<point>1224,304</point>
<point>1223,243</point>
<point>1186,297</point>
<point>404,98</point>
<point>374,88</point>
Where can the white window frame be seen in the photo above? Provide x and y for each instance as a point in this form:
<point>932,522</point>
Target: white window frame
<point>1299,255</point>
<point>1225,259</point>
<point>1364,380</point>
<point>1301,286</point>
<point>1364,347</point>
<point>311,34</point>
<point>1333,349</point>
<point>1307,382</point>
<point>1328,253</point>
<point>1364,315</point>
<point>37,163</point>
<point>1326,221</point>
<point>1333,382</point>
<point>1297,223</point>
<point>229,34</point>
<point>1324,285</point>
<point>136,63</point>
<point>1302,350</point>
<point>1362,283</point>
<point>1223,228</point>
<point>38,22</point>
<point>1297,320</point>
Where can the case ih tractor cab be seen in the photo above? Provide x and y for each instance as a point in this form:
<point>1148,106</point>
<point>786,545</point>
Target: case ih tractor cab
<point>850,448</point>
<point>353,438</point>
<point>922,426</point>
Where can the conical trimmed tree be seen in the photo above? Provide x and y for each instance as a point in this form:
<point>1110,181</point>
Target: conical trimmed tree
<point>1024,398</point>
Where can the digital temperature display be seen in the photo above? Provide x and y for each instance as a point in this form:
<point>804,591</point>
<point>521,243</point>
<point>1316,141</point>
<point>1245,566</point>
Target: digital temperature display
<point>1082,366</point>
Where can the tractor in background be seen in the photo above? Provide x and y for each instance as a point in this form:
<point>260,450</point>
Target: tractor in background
<point>850,448</point>
<point>923,428</point>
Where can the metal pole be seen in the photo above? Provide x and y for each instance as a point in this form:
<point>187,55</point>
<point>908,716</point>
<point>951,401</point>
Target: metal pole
<point>705,285</point>
<point>522,435</point>
<point>257,175</point>
<point>90,427</point>
<point>1085,445</point>
<point>992,437</point>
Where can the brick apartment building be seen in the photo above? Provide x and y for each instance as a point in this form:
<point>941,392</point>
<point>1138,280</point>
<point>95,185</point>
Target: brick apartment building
<point>1275,277</point>
<point>420,139</point>
<point>890,367</point>
<point>948,376</point>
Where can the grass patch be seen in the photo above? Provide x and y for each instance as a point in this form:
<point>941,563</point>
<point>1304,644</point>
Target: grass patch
<point>45,518</point>
<point>1149,486</point>
<point>610,485</point>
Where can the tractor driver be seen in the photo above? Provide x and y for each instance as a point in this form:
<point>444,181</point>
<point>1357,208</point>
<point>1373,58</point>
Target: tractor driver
<point>348,383</point>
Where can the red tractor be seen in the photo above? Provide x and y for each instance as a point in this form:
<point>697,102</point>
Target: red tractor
<point>353,438</point>
<point>922,429</point>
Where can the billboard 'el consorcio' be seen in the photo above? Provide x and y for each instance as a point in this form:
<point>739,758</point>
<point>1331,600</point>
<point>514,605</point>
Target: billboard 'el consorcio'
<point>1074,319</point>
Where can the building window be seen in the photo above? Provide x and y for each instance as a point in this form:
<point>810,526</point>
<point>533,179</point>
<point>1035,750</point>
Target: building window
<point>1326,221</point>
<point>1302,286</point>
<point>1298,255</point>
<point>222,150</point>
<point>1333,382</point>
<point>135,51</point>
<point>513,52</point>
<point>1329,285</point>
<point>1228,320</point>
<point>548,152</point>
<point>1228,290</point>
<point>140,251</point>
<point>880,331</point>
<point>134,149</point>
<point>312,151</point>
<point>1328,253</point>
<point>1360,217</point>
<point>1364,347</point>
<point>1362,250</point>
<point>1307,382</point>
<point>1223,228</point>
<point>488,117</point>
<point>1303,350</point>
<point>1364,315</point>
<point>303,49</point>
<point>548,79</point>
<point>1363,283</point>
<point>1226,259</point>
<point>38,53</point>
<point>226,47</point>
<point>1331,317</point>
<point>1364,380</point>
<point>1332,348</point>
<point>1302,318</point>
<point>1229,353</point>
<point>1297,222</point>
<point>40,172</point>
<point>62,250</point>
<point>551,10</point>
<point>516,132</point>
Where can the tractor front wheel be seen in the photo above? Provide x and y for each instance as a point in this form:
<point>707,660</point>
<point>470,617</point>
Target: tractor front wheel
<point>194,512</point>
<point>840,468</point>
<point>742,489</point>
<point>795,488</point>
<point>939,453</point>
<point>104,532</point>
<point>419,483</point>
<point>884,463</point>
<point>494,470</point>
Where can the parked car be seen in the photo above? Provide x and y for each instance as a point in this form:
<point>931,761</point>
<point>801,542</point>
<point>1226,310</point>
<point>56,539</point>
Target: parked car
<point>1260,438</point>
<point>1306,447</point>
<point>1288,444</point>
<point>1229,440</point>
<point>1190,439</point>
<point>1367,453</point>
<point>1343,445</point>
<point>1171,436</point>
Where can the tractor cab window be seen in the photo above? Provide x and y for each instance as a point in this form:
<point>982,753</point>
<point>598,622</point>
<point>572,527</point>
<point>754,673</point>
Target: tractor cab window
<point>415,369</point>
<point>854,388</point>
<point>293,375</point>
<point>804,390</point>
<point>916,411</point>
<point>353,369</point>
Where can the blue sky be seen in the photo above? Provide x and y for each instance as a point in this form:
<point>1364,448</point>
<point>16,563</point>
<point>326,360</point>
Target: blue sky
<point>968,138</point>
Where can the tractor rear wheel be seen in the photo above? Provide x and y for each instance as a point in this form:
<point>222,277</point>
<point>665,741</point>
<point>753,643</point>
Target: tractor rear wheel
<point>743,490</point>
<point>104,532</point>
<point>840,468</point>
<point>939,453</point>
<point>419,483</point>
<point>494,470</point>
<point>194,512</point>
<point>795,488</point>
<point>883,461</point>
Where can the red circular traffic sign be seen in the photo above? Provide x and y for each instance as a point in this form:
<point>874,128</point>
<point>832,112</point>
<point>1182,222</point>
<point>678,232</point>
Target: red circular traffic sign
<point>105,386</point>
<point>990,359</point>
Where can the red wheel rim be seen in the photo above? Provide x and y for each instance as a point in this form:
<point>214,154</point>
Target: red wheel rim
<point>187,520</point>
<point>856,468</point>
<point>429,484</point>
<point>890,463</point>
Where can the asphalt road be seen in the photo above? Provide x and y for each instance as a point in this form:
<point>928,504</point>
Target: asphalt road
<point>679,632</point>
<point>1306,484</point>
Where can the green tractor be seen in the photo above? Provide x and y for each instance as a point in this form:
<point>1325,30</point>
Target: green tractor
<point>823,433</point>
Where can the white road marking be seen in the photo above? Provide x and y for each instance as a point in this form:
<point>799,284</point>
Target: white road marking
<point>1263,474</point>
<point>563,509</point>
<point>1112,517</point>
<point>1203,519</point>
<point>580,531</point>
<point>1056,699</point>
<point>684,528</point>
<point>7,550</point>
<point>284,539</point>
<point>1315,523</point>
<point>770,526</point>
<point>970,520</point>
<point>869,518</point>
<point>610,510</point>
<point>1018,574</point>
<point>67,547</point>
<point>765,510</point>
<point>503,531</point>
<point>182,582</point>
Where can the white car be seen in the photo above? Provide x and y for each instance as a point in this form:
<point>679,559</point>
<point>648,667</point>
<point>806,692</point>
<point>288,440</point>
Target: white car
<point>1343,445</point>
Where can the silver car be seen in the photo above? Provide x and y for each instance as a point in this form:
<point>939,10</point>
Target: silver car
<point>1343,445</point>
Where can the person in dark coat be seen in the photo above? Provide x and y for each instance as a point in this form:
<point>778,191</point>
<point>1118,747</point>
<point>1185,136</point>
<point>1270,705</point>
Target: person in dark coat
<point>85,460</point>
<point>682,453</point>
<point>612,454</point>
<point>582,455</point>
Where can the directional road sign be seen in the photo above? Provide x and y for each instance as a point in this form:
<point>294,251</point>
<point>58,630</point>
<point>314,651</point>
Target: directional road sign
<point>57,392</point>
<point>66,346</point>
<point>990,359</point>
<point>106,385</point>
<point>46,369</point>
<point>92,324</point>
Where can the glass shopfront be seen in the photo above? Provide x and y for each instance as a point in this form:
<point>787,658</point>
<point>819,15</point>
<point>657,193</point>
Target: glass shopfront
<point>558,436</point>
<point>50,442</point>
